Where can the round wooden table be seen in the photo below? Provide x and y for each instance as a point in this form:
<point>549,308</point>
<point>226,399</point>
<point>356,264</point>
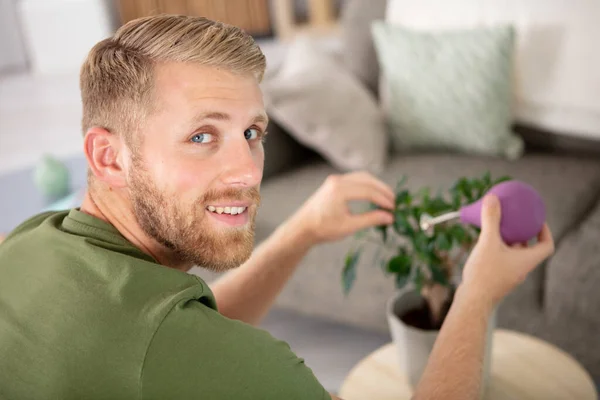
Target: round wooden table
<point>523,367</point>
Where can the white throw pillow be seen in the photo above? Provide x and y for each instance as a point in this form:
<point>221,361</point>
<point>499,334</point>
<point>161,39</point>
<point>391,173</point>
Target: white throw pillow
<point>325,108</point>
<point>557,58</point>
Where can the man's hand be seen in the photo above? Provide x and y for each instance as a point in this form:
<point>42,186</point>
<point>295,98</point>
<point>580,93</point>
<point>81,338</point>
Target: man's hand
<point>494,269</point>
<point>325,216</point>
<point>247,293</point>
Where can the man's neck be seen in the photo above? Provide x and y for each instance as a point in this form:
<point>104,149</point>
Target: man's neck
<point>113,209</point>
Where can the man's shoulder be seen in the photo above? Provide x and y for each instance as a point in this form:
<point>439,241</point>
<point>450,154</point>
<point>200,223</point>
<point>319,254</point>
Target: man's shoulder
<point>93,274</point>
<point>34,222</point>
<point>82,306</point>
<point>32,237</point>
<point>197,349</point>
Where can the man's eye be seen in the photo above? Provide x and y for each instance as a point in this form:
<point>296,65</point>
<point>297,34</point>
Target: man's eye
<point>202,138</point>
<point>251,133</point>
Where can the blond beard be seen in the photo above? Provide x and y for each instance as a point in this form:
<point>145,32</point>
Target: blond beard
<point>186,231</point>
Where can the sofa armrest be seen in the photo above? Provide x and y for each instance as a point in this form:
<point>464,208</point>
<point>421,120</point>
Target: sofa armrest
<point>573,294</point>
<point>573,274</point>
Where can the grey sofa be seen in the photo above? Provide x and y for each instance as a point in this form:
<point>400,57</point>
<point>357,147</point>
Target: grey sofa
<point>559,302</point>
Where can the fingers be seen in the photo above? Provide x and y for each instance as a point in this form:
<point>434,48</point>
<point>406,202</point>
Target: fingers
<point>542,249</point>
<point>545,245</point>
<point>545,235</point>
<point>369,219</point>
<point>490,216</point>
<point>357,187</point>
<point>369,179</point>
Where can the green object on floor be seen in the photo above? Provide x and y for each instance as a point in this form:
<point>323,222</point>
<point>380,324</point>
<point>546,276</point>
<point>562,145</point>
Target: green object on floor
<point>51,177</point>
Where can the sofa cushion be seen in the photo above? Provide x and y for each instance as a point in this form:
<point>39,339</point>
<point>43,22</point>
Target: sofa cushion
<point>556,85</point>
<point>448,90</point>
<point>569,186</point>
<point>574,272</point>
<point>315,99</point>
<point>359,54</point>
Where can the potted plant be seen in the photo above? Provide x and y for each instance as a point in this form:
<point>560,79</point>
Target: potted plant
<point>426,266</point>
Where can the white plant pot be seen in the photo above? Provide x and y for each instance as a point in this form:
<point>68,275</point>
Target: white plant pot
<point>414,345</point>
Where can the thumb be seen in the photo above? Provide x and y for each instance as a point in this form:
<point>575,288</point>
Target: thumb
<point>491,214</point>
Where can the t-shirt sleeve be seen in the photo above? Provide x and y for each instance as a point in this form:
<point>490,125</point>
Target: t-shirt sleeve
<point>197,353</point>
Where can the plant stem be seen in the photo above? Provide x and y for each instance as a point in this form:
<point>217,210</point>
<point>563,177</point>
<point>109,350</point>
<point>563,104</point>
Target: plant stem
<point>436,295</point>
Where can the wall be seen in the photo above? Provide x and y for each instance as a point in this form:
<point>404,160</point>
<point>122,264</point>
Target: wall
<point>12,51</point>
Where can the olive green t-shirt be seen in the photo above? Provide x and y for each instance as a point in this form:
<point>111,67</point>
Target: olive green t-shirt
<point>86,315</point>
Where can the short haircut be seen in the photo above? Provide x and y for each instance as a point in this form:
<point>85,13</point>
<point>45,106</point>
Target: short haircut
<point>117,77</point>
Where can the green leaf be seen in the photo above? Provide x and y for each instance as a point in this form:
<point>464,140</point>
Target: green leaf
<point>502,179</point>
<point>425,197</point>
<point>377,255</point>
<point>400,264</point>
<point>420,241</point>
<point>349,272</point>
<point>458,232</point>
<point>382,229</point>
<point>401,281</point>
<point>438,206</point>
<point>416,213</point>
<point>401,182</point>
<point>463,186</point>
<point>403,197</point>
<point>443,242</point>
<point>402,224</point>
<point>478,187</point>
<point>487,179</point>
<point>438,275</point>
<point>456,199</point>
<point>419,278</point>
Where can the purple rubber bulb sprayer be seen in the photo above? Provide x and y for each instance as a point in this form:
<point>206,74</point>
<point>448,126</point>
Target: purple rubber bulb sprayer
<point>523,212</point>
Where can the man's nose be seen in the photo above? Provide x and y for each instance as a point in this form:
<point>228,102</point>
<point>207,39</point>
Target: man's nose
<point>239,165</point>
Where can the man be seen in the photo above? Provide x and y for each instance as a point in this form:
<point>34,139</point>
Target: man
<point>96,303</point>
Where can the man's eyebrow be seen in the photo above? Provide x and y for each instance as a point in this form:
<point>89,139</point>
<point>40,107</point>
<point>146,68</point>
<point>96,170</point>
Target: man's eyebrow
<point>221,116</point>
<point>262,117</point>
<point>216,115</point>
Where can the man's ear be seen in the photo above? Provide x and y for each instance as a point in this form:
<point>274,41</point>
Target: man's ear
<point>104,151</point>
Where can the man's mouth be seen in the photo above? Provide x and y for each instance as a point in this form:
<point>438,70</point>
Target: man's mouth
<point>231,210</point>
<point>232,215</point>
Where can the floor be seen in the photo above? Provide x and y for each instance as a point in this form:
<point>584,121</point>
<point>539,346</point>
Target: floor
<point>328,348</point>
<point>41,115</point>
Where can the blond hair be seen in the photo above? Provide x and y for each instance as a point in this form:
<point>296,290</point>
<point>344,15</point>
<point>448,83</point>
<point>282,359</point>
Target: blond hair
<point>117,77</point>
